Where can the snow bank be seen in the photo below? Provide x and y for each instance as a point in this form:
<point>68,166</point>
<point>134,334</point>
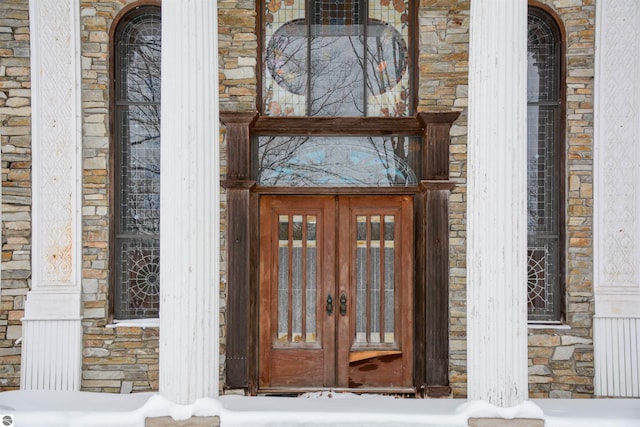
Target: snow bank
<point>84,409</point>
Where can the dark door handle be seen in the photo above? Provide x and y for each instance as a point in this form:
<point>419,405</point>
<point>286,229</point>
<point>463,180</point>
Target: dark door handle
<point>343,305</point>
<point>329,305</point>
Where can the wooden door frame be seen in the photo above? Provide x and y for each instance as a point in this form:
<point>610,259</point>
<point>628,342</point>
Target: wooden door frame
<point>431,215</point>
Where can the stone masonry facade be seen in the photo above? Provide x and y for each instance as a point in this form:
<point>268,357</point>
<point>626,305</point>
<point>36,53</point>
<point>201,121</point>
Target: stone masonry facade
<point>121,358</point>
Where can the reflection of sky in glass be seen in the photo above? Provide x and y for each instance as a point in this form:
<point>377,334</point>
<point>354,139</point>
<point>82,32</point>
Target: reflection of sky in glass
<point>533,78</point>
<point>353,161</point>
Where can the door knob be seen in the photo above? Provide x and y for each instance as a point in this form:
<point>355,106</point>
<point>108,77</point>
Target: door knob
<point>329,305</point>
<point>343,305</point>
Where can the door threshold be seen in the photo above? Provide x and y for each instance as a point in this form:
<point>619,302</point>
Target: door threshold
<point>328,391</point>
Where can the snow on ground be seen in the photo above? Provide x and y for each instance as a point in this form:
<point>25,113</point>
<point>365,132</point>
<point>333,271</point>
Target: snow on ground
<point>84,409</point>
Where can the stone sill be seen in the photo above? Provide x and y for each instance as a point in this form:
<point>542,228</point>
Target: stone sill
<point>560,326</point>
<point>135,323</point>
<point>191,422</point>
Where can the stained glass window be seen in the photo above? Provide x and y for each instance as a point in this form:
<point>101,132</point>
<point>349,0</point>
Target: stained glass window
<point>137,164</point>
<point>544,126</point>
<point>336,58</point>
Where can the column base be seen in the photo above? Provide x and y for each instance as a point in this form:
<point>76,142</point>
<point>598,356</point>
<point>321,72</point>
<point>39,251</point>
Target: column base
<point>500,422</point>
<point>191,422</point>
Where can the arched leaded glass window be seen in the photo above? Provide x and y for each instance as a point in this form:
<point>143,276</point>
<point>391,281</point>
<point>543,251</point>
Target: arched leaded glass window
<point>136,165</point>
<point>545,167</point>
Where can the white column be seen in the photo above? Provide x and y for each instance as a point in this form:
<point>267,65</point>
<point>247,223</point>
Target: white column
<point>52,330</point>
<point>617,199</point>
<point>496,203</point>
<point>189,202</point>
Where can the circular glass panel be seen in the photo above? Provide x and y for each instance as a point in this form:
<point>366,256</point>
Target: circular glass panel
<point>290,53</point>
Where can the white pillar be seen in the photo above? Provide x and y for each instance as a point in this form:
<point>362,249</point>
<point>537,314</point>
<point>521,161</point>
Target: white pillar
<point>52,329</point>
<point>617,199</point>
<point>189,202</point>
<point>496,203</point>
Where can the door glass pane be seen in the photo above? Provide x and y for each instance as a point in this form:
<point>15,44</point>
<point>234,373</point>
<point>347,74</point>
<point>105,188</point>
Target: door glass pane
<point>297,283</point>
<point>389,279</point>
<point>311,285</point>
<point>375,279</point>
<point>361,279</point>
<point>283,279</point>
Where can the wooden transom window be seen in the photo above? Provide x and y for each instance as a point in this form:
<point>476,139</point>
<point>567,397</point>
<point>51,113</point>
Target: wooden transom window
<point>136,165</point>
<point>545,167</point>
<point>336,58</point>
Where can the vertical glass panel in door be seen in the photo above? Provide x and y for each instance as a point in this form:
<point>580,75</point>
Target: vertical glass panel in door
<point>297,279</point>
<point>375,280</point>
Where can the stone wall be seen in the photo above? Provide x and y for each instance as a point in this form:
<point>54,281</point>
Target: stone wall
<point>561,359</point>
<point>15,133</point>
<point>122,358</point>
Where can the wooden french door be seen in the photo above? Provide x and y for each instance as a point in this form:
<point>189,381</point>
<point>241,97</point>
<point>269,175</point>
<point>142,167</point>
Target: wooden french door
<point>336,284</point>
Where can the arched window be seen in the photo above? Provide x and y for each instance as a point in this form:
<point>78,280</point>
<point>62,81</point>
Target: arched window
<point>136,164</point>
<point>545,127</point>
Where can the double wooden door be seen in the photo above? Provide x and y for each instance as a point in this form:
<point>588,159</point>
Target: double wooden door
<point>336,285</point>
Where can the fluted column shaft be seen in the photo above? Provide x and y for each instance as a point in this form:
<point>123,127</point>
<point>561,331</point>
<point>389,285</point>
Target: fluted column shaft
<point>496,203</point>
<point>189,202</point>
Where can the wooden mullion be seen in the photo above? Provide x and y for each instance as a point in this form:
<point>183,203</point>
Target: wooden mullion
<point>335,126</point>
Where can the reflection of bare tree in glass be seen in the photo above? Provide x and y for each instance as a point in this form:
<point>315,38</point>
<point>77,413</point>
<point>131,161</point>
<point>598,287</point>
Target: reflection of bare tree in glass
<point>280,162</point>
<point>386,57</point>
<point>347,161</point>
<point>336,77</point>
<point>137,116</point>
<point>287,58</point>
<point>142,87</point>
<point>330,65</point>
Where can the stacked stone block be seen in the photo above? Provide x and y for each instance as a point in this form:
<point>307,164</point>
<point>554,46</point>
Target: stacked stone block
<point>561,359</point>
<point>120,359</point>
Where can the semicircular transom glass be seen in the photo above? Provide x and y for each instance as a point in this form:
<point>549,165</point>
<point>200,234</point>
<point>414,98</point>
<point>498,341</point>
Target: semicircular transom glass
<point>305,161</point>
